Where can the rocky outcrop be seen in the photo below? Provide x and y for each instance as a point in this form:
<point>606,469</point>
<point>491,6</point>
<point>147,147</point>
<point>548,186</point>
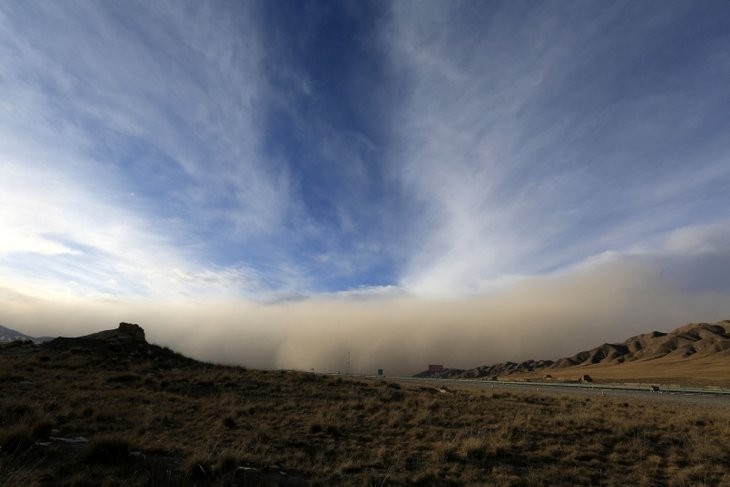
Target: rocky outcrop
<point>125,344</point>
<point>133,330</point>
<point>127,335</point>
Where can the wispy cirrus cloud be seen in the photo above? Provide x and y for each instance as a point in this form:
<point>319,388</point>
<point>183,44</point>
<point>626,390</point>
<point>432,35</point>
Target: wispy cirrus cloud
<point>60,238</point>
<point>129,146</point>
<point>527,144</point>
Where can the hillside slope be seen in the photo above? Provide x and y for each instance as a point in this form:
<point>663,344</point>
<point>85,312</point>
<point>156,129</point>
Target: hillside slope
<point>696,351</point>
<point>684,342</point>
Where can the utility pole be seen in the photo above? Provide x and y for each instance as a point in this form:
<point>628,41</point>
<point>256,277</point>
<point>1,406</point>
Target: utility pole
<point>349,370</point>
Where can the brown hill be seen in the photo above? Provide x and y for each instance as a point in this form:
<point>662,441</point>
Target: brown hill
<point>695,350</point>
<point>496,370</point>
<point>685,341</point>
<point>108,348</point>
<point>128,334</point>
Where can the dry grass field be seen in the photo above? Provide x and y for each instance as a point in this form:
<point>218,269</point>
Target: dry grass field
<point>706,371</point>
<point>128,413</point>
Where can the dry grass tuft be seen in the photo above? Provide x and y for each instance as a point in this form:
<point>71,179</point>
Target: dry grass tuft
<point>42,429</point>
<point>109,450</point>
<point>16,440</point>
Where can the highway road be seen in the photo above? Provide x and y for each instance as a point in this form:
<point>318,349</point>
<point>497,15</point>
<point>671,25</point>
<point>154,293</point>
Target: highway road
<point>705,397</point>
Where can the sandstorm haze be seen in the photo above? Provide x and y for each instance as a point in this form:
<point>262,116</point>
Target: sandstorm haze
<point>606,300</point>
<point>278,184</point>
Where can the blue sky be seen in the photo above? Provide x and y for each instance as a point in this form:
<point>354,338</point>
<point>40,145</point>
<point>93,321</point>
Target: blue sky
<point>268,152</point>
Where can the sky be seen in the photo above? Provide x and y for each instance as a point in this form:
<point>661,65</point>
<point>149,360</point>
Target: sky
<point>277,183</point>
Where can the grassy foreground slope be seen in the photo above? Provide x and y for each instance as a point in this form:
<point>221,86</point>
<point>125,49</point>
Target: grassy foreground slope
<point>113,410</point>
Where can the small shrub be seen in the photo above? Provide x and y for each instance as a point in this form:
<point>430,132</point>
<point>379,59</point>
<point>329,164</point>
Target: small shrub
<point>19,411</point>
<point>16,440</point>
<point>392,396</point>
<point>199,468</point>
<point>349,467</point>
<point>445,452</point>
<point>474,449</point>
<point>51,407</point>
<point>123,378</point>
<point>108,450</point>
<point>42,429</point>
<point>227,463</point>
<point>333,430</point>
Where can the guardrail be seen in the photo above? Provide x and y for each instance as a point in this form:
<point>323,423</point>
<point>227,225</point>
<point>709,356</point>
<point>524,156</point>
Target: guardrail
<point>598,386</point>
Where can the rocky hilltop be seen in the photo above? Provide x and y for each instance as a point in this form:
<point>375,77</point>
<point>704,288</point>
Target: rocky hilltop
<point>129,335</point>
<point>123,345</point>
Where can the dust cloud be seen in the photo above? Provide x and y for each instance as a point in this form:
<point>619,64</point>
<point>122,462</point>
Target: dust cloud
<point>606,300</point>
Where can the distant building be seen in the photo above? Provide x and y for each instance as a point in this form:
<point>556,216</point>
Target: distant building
<point>435,368</point>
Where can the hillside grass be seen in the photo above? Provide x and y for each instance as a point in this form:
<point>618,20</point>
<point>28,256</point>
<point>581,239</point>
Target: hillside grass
<point>165,420</point>
<point>703,371</point>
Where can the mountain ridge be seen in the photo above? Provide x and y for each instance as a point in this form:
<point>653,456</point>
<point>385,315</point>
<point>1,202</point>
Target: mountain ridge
<point>8,335</point>
<point>686,343</point>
